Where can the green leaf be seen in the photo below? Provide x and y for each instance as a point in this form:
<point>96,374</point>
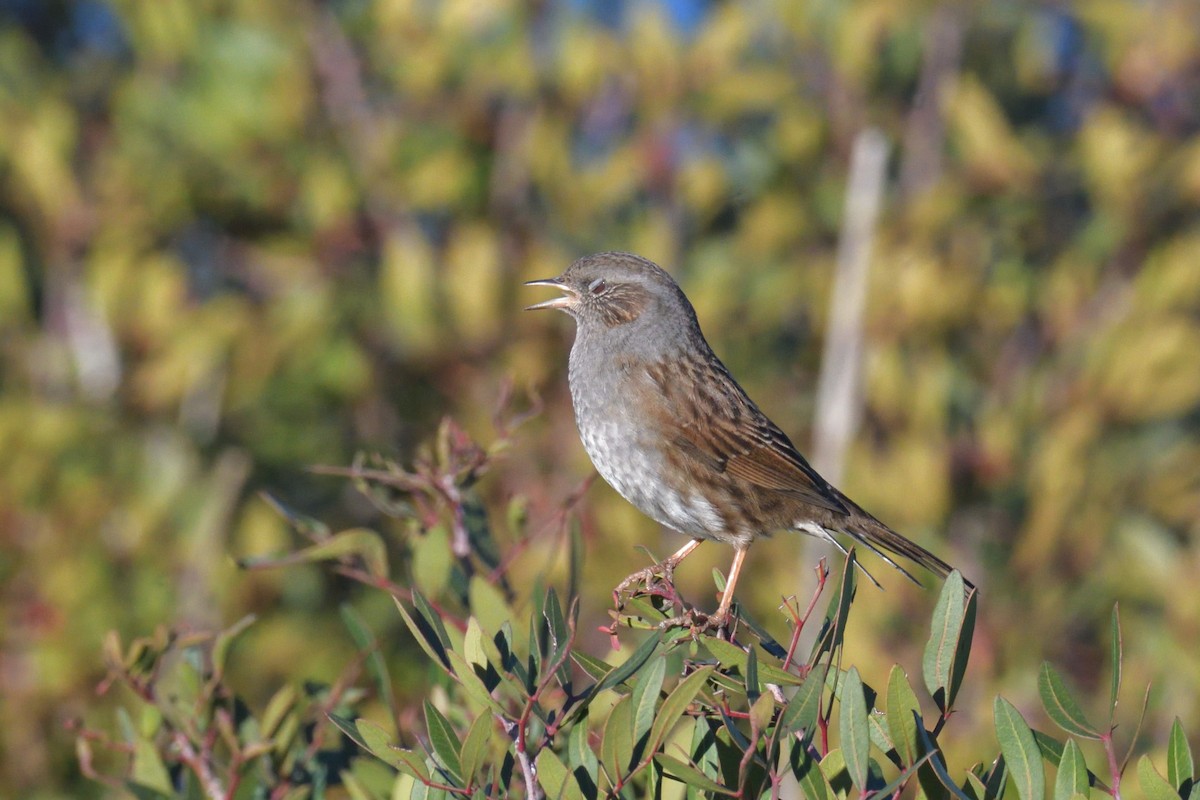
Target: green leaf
<point>856,736</point>
<point>762,712</point>
<point>582,758</point>
<point>945,628</point>
<point>975,788</point>
<point>555,779</point>
<point>902,778</point>
<point>1061,705</point>
<point>813,783</point>
<point>432,560</point>
<point>962,654</point>
<point>1051,748</point>
<point>619,674</point>
<point>1116,664</point>
<point>733,657</point>
<point>997,778</point>
<point>1020,750</point>
<point>675,705</point>
<point>616,746</point>
<point>901,706</point>
<point>361,542</point>
<point>645,697</point>
<point>752,689</point>
<point>880,736</point>
<point>804,706</point>
<point>366,642</point>
<point>488,605</point>
<point>224,641</point>
<point>425,635</point>
<point>472,684</point>
<point>379,743</point>
<point>1072,778</point>
<point>1154,785</point>
<point>560,635</point>
<point>475,747</point>
<point>148,769</point>
<point>833,627</point>
<point>687,774</point>
<point>443,739</point>
<point>1180,767</point>
<point>938,765</point>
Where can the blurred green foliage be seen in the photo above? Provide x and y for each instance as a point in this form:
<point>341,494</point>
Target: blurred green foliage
<point>240,237</point>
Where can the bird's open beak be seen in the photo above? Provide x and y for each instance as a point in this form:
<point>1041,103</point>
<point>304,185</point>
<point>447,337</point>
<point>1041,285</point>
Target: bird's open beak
<point>562,303</point>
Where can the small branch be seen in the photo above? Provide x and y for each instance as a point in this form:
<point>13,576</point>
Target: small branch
<point>839,396</point>
<point>211,786</point>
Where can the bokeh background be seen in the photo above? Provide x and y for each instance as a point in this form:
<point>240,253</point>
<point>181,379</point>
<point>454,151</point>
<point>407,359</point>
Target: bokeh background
<point>242,237</point>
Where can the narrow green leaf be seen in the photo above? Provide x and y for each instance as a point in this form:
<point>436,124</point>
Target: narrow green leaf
<point>1180,767</point>
<point>425,634</point>
<point>856,736</point>
<point>938,765</point>
<point>555,779</point>
<point>582,758</point>
<point>1051,748</point>
<point>443,740</point>
<point>366,642</point>
<point>378,742</point>
<point>805,704</point>
<point>361,542</point>
<point>639,657</point>
<point>752,688</point>
<point>472,684</point>
<point>224,641</point>
<point>1072,778</point>
<point>962,653</point>
<point>1154,785</point>
<point>148,769</point>
<point>488,605</point>
<point>833,627</point>
<point>595,668</point>
<point>432,560</point>
<point>616,746</point>
<point>733,657</point>
<point>1116,663</point>
<point>813,783</point>
<point>687,774</point>
<point>675,705</point>
<point>881,737</point>
<point>645,697</point>
<point>1060,704</point>
<point>974,787</point>
<point>762,712</point>
<point>560,635</point>
<point>902,778</point>
<point>475,747</point>
<point>1020,750</point>
<point>945,628</point>
<point>996,779</point>
<point>901,706</point>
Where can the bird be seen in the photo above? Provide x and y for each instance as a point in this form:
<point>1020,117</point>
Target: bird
<point>666,425</point>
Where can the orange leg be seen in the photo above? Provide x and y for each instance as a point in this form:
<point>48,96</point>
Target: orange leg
<point>722,616</point>
<point>666,568</point>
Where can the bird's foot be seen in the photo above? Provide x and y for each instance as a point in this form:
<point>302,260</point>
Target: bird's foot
<point>656,579</point>
<point>699,622</point>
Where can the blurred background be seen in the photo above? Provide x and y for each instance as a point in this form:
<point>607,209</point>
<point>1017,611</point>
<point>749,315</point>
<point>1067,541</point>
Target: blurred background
<point>242,237</point>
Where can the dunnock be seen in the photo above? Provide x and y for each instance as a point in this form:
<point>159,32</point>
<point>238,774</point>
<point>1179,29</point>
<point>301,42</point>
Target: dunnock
<point>671,430</point>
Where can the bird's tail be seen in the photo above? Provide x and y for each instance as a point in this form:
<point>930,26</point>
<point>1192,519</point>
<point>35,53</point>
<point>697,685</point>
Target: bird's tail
<point>885,542</point>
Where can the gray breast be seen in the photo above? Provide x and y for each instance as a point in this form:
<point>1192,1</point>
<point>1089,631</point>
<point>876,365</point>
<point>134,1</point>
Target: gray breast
<point>626,453</point>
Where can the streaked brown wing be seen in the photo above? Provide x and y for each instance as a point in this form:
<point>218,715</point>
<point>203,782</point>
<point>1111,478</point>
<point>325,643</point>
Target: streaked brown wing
<point>720,427</point>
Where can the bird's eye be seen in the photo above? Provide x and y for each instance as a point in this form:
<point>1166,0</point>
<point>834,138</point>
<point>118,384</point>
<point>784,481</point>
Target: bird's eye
<point>598,286</point>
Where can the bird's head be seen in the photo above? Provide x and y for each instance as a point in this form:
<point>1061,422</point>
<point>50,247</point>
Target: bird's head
<point>614,289</point>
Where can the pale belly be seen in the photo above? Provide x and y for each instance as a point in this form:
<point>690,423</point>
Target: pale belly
<point>624,454</point>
